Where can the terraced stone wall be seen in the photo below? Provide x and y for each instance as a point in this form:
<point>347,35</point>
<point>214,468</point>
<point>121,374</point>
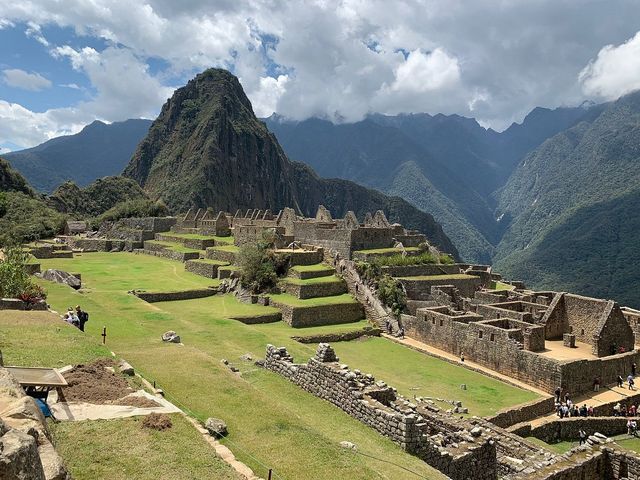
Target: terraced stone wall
<point>377,405</point>
<point>321,314</point>
<point>522,413</point>
<point>153,297</point>
<point>313,290</point>
<point>420,289</point>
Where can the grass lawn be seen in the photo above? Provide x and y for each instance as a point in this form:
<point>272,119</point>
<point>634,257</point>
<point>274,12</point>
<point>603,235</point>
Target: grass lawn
<point>195,236</point>
<point>559,447</point>
<point>269,418</point>
<point>388,250</point>
<point>317,267</point>
<point>313,281</point>
<point>629,442</point>
<point>311,302</point>
<point>417,374</point>
<point>453,276</point>
<point>176,247</point>
<point>501,286</point>
<point>122,449</point>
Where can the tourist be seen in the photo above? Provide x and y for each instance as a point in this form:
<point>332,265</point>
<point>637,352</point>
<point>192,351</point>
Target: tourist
<point>401,333</point>
<point>566,397</point>
<point>83,317</point>
<point>583,436</point>
<point>634,428</point>
<point>596,384</point>
<point>568,401</point>
<point>387,326</point>
<point>623,411</point>
<point>590,411</point>
<point>632,410</point>
<point>565,411</point>
<point>462,357</point>
<point>629,426</point>
<point>616,409</point>
<point>620,381</point>
<point>583,410</point>
<point>75,321</point>
<point>558,393</point>
<point>631,382</point>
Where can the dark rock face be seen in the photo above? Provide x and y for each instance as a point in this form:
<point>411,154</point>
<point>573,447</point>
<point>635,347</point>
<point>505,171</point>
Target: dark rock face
<point>208,149</point>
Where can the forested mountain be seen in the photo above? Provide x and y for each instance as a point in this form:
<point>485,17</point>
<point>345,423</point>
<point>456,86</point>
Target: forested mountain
<point>572,208</point>
<point>97,151</point>
<point>208,149</point>
<point>446,165</point>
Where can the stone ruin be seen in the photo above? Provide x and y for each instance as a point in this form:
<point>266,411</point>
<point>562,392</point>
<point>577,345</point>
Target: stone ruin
<point>323,231</point>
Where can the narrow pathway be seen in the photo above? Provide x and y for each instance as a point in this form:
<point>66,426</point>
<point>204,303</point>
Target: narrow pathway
<point>441,354</point>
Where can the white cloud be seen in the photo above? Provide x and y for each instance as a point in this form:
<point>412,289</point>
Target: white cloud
<point>614,72</point>
<point>73,86</point>
<point>265,98</point>
<point>4,23</point>
<point>424,72</point>
<point>34,31</point>
<point>14,77</point>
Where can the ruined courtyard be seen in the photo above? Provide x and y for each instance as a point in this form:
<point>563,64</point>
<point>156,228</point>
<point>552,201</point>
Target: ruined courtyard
<point>315,379</point>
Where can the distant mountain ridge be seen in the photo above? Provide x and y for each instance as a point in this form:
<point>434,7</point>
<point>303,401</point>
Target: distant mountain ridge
<point>99,150</point>
<point>447,165</point>
<point>208,149</point>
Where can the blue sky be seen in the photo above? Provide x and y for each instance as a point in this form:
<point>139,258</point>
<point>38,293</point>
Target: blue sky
<point>66,63</point>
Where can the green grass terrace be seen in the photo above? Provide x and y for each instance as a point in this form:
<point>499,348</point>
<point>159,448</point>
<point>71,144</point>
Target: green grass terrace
<point>272,422</point>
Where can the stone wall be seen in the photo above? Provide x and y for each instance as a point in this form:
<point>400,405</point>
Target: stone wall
<point>339,337</point>
<point>315,316</point>
<point>569,428</point>
<point>26,450</point>
<point>578,376</point>
<point>421,270</point>
<point>153,297</point>
<point>327,238</point>
<point>459,455</point>
<point>220,255</point>
<point>313,290</point>
<point>97,244</point>
<point>420,289</point>
<point>522,413</point>
<point>17,304</point>
<point>202,267</point>
<point>195,243</point>
<point>170,254</point>
<point>258,319</point>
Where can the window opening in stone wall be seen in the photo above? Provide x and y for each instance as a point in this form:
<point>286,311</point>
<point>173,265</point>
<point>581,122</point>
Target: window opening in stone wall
<point>493,337</point>
<point>582,331</point>
<point>441,322</point>
<point>480,334</point>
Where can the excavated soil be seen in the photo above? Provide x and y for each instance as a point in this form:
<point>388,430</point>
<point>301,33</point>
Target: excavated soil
<point>93,383</point>
<point>157,421</point>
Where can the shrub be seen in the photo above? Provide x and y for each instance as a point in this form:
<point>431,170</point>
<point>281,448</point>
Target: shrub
<point>391,293</point>
<point>15,282</point>
<point>260,267</point>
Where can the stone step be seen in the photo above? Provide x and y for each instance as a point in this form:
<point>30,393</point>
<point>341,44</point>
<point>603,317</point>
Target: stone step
<point>300,315</point>
<point>204,267</point>
<point>223,253</point>
<point>305,289</point>
<point>317,270</point>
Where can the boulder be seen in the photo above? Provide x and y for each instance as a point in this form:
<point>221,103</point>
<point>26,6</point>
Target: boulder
<point>19,457</point>
<point>125,368</point>
<point>171,337</point>
<point>216,427</point>
<point>63,277</point>
<point>348,445</point>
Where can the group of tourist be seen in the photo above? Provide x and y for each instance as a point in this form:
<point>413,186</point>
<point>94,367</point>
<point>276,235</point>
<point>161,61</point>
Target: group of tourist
<point>76,317</point>
<point>620,410</point>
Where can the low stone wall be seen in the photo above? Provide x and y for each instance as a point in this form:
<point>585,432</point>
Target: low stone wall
<point>97,244</point>
<point>32,268</point>
<point>258,319</point>
<point>321,314</point>
<point>339,337</point>
<point>420,270</point>
<point>460,456</point>
<point>522,413</point>
<point>202,268</point>
<point>569,428</point>
<point>153,297</point>
<point>17,304</point>
<point>307,274</point>
<point>26,451</point>
<point>228,273</point>
<point>308,257</point>
<point>220,255</point>
<point>621,463</point>
<point>196,244</point>
<point>324,289</point>
<point>164,252</point>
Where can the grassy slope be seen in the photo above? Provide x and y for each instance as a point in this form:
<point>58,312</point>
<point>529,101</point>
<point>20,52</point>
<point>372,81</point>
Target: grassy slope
<point>123,449</point>
<point>269,418</point>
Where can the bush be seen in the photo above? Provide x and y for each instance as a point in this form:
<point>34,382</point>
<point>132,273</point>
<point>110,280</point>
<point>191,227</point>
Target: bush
<point>260,266</point>
<point>15,282</point>
<point>27,218</point>
<point>391,293</point>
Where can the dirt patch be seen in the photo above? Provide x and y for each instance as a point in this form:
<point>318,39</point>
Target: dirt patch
<point>157,421</point>
<point>93,383</point>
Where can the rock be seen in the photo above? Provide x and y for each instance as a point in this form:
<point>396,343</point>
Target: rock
<point>19,456</point>
<point>60,276</point>
<point>463,386</point>
<point>216,427</point>
<point>171,337</point>
<point>233,368</point>
<point>125,368</point>
<point>225,361</point>
<point>476,432</point>
<point>246,357</point>
<point>348,445</point>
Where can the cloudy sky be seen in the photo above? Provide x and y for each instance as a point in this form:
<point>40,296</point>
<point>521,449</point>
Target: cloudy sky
<point>65,63</point>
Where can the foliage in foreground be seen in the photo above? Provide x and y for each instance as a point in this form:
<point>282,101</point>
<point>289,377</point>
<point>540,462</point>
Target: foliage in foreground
<point>15,282</point>
<point>392,295</point>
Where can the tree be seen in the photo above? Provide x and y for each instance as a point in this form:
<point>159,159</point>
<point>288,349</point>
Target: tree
<point>15,282</point>
<point>391,293</point>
